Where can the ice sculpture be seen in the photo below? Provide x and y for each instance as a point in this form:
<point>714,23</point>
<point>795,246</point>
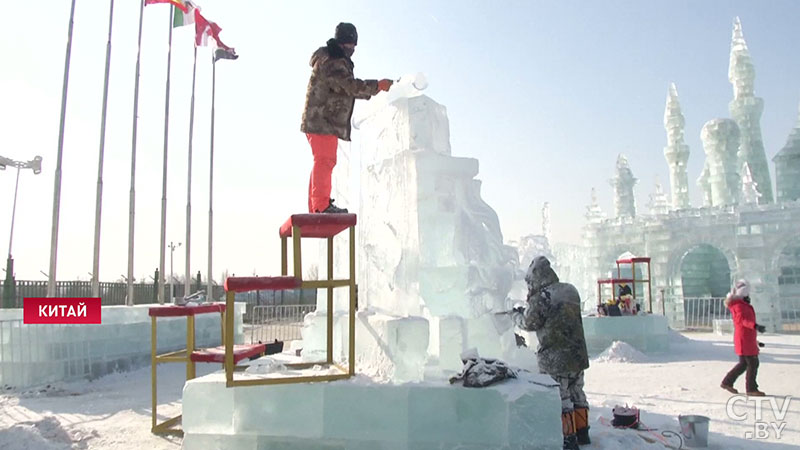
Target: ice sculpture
<point>431,246</point>
<point>676,152</point>
<point>746,110</point>
<point>432,266</point>
<point>623,183</point>
<point>593,212</point>
<point>407,86</point>
<point>787,167</point>
<point>658,201</point>
<point>720,142</point>
<point>750,192</point>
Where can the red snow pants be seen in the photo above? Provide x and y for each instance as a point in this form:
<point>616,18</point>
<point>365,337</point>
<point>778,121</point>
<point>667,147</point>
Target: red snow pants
<point>323,148</point>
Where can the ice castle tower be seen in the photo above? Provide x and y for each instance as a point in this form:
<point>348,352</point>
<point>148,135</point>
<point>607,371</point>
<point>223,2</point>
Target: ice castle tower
<point>746,110</point>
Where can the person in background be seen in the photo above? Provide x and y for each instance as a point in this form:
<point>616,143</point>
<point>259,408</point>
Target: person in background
<point>744,339</point>
<point>331,95</point>
<point>553,311</point>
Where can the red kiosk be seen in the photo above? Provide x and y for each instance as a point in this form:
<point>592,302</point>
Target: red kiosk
<point>613,282</point>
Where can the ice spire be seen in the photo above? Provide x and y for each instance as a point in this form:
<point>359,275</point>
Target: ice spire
<point>623,182</point>
<point>705,185</point>
<point>546,221</point>
<point>787,167</point>
<point>659,204</point>
<point>720,140</point>
<point>746,110</point>
<point>741,72</point>
<point>593,212</point>
<point>676,152</point>
<point>750,192</point>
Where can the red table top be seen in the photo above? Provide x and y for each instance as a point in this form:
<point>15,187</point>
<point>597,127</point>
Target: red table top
<point>635,259</point>
<point>176,311</point>
<point>217,354</point>
<point>246,284</point>
<point>318,225</point>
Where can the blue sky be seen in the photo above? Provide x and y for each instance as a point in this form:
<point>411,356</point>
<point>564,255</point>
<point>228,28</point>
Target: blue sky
<point>544,94</point>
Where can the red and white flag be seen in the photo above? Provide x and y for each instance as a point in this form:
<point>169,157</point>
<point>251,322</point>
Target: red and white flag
<point>205,29</point>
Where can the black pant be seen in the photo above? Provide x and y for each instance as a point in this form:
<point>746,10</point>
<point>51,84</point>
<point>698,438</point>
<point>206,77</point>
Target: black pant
<point>746,363</point>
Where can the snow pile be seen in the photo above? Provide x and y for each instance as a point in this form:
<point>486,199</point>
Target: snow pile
<point>44,434</point>
<point>265,365</point>
<point>621,352</point>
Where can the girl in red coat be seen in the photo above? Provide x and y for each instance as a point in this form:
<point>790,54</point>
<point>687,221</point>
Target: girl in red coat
<point>744,339</point>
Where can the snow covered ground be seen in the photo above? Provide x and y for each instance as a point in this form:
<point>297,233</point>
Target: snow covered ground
<point>686,382</point>
<point>114,412</point>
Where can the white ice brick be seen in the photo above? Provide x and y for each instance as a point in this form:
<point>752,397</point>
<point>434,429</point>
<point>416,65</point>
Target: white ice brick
<point>293,410</point>
<point>207,408</point>
<point>452,341</point>
<point>391,347</point>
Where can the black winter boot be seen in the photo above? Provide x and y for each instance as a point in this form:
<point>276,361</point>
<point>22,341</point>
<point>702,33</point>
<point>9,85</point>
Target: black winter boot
<point>571,442</point>
<point>583,436</point>
<point>333,209</point>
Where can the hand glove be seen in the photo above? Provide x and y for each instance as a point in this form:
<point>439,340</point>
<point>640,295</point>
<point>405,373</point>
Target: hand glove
<point>384,85</point>
<point>761,344</point>
<point>519,310</point>
<point>761,328</point>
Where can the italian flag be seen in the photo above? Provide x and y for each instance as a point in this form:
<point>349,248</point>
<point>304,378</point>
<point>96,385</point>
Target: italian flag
<point>185,17</point>
<point>180,4</point>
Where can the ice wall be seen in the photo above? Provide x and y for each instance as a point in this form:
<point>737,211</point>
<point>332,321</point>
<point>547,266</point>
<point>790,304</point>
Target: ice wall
<point>721,142</point>
<point>37,354</point>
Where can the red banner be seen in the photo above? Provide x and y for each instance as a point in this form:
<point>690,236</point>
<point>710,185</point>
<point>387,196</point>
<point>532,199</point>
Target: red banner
<point>80,310</point>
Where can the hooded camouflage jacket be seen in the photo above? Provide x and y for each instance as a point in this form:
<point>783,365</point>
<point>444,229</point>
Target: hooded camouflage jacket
<point>554,313</point>
<point>332,91</point>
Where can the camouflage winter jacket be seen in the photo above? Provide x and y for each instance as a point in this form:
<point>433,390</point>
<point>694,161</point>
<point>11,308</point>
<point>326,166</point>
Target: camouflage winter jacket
<point>332,91</point>
<point>554,313</point>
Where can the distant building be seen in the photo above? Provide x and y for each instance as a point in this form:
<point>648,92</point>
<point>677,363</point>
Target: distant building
<point>740,231</point>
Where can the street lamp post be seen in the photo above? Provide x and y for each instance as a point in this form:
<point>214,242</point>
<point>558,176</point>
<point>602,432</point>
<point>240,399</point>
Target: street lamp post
<point>172,248</point>
<point>9,285</point>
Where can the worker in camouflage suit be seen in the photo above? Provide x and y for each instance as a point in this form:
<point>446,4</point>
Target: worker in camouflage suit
<point>332,92</point>
<point>553,311</point>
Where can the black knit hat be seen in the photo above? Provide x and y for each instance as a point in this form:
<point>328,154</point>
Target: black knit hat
<point>346,33</point>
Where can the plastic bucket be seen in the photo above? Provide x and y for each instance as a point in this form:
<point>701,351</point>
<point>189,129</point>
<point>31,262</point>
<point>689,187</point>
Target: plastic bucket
<point>694,430</point>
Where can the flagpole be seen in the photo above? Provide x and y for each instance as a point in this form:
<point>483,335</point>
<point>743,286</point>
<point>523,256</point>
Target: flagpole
<point>162,252</point>
<point>210,289</point>
<point>99,196</point>
<point>132,195</point>
<point>51,276</point>
<point>188,281</point>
